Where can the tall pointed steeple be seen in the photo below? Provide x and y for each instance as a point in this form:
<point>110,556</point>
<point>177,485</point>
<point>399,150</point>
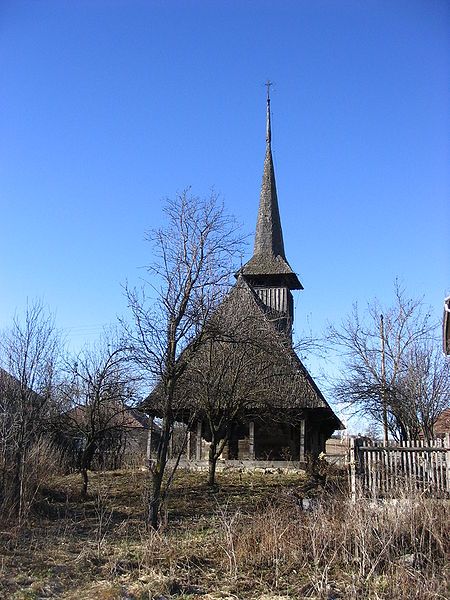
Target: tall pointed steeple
<point>268,265</point>
<point>269,236</point>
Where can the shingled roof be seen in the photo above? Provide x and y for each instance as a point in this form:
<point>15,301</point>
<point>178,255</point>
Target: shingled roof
<point>240,311</point>
<point>268,254</point>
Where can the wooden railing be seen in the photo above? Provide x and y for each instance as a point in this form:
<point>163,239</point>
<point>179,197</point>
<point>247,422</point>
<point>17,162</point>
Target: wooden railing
<point>418,466</point>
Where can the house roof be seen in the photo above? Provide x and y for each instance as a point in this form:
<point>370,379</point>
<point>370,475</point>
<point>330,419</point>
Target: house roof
<point>10,384</point>
<point>6,379</point>
<point>442,423</point>
<point>118,415</point>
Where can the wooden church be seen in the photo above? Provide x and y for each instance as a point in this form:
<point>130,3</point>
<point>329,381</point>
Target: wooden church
<point>281,415</point>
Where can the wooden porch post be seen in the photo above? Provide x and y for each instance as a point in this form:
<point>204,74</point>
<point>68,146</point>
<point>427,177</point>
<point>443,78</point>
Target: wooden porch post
<point>189,445</point>
<point>251,440</point>
<point>301,456</point>
<point>198,442</point>
<point>171,443</point>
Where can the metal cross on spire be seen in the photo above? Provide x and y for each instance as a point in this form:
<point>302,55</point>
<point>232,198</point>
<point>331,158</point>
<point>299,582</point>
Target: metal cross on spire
<point>268,128</point>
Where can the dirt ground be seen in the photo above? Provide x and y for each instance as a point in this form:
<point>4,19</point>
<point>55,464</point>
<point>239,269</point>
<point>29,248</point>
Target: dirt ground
<point>254,537</point>
<point>100,548</point>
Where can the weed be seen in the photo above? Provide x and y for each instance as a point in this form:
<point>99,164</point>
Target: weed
<point>256,537</point>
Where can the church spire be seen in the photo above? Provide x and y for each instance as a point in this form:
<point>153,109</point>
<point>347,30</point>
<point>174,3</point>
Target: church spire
<point>269,236</point>
<point>269,259</point>
<point>268,272</point>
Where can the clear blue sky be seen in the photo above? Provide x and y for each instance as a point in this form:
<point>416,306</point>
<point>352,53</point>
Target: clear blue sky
<point>108,107</point>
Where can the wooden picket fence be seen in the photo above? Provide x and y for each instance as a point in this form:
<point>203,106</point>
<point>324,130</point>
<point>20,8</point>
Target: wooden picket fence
<point>411,467</point>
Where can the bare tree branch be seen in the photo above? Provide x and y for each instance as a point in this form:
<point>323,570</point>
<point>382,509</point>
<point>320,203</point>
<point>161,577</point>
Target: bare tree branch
<point>416,381</point>
<point>192,267</point>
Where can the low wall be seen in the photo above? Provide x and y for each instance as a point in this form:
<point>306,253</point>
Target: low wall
<point>263,466</point>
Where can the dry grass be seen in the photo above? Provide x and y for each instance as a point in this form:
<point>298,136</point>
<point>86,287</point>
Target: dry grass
<point>249,539</point>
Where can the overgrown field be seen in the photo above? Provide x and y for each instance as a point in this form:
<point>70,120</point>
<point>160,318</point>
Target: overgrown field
<point>250,538</point>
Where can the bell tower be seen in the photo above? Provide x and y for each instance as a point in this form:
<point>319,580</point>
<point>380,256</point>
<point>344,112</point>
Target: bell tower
<point>268,271</point>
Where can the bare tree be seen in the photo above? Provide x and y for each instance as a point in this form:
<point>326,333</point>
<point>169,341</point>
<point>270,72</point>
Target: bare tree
<point>392,372</point>
<point>193,262</point>
<point>29,351</point>
<point>422,391</point>
<point>98,392</point>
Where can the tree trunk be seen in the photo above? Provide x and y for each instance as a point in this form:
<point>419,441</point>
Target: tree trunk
<point>84,475</point>
<point>212,462</point>
<point>215,451</point>
<point>85,464</point>
<point>403,431</point>
<point>156,476</point>
<point>155,499</point>
<point>17,487</point>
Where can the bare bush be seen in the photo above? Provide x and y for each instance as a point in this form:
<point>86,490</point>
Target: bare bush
<point>96,418</point>
<point>42,463</point>
<point>28,360</point>
<point>359,550</point>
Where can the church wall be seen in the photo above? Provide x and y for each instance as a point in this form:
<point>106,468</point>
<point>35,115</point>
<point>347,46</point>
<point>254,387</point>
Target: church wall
<point>275,441</point>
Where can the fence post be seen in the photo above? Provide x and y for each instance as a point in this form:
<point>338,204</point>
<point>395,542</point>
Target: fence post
<point>447,461</point>
<point>352,466</point>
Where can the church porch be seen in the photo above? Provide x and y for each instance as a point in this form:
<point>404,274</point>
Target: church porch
<point>262,442</point>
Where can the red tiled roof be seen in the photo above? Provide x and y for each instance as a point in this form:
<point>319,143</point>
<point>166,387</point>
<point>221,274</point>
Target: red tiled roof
<point>442,423</point>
